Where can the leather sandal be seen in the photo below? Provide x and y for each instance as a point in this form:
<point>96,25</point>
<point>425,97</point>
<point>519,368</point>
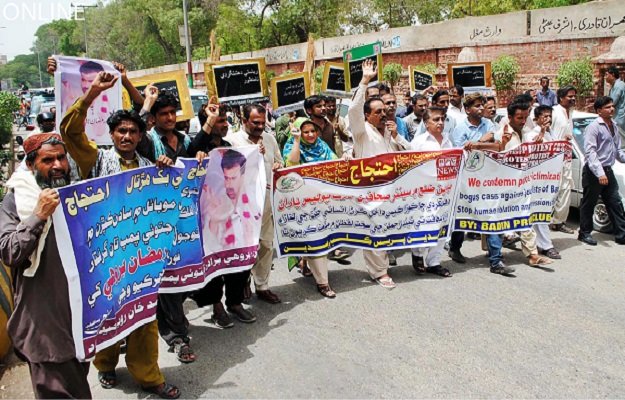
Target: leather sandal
<point>326,291</point>
<point>108,379</point>
<point>164,390</point>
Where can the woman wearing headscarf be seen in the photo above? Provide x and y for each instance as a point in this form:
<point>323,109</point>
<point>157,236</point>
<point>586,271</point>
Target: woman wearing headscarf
<point>304,146</point>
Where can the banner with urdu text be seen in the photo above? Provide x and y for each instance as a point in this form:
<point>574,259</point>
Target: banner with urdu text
<point>126,237</point>
<point>389,201</point>
<point>511,190</point>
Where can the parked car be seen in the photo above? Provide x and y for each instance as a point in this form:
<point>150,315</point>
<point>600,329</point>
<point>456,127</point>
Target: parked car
<point>198,97</point>
<point>601,220</point>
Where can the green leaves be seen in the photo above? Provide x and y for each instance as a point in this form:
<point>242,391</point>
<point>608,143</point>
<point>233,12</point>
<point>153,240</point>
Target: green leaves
<point>505,70</point>
<point>391,73</point>
<point>577,73</point>
<point>9,103</point>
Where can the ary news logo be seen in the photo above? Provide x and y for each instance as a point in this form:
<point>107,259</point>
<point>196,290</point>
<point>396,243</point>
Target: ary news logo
<point>475,161</point>
<point>447,167</point>
<point>43,11</point>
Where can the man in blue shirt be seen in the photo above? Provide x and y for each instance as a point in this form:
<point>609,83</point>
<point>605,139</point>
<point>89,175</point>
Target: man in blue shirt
<point>602,146</point>
<point>546,96</point>
<point>472,127</point>
<point>617,93</point>
<point>390,101</point>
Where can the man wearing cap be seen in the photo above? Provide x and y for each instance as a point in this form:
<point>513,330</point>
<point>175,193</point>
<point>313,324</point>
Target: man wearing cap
<point>40,327</point>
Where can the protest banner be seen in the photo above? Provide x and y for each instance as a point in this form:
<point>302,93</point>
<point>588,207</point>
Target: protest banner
<point>511,190</point>
<point>72,79</point>
<point>118,255</point>
<point>420,80</point>
<point>175,83</point>
<point>333,82</point>
<point>473,76</point>
<point>288,92</point>
<point>352,63</point>
<point>390,201</point>
<point>237,82</point>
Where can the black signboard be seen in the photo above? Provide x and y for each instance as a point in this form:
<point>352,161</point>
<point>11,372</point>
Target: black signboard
<point>232,81</point>
<point>421,80</point>
<point>167,86</point>
<point>469,76</point>
<point>336,79</point>
<point>355,72</point>
<point>291,91</point>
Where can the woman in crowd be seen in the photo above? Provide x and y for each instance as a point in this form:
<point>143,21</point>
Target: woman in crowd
<point>305,146</point>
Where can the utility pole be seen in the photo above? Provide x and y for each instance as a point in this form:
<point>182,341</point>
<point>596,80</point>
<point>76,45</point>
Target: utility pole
<point>187,42</point>
<point>84,22</point>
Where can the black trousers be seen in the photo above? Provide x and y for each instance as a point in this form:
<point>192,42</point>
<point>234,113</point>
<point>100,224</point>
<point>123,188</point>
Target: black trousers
<point>213,292</point>
<point>66,380</point>
<point>611,199</point>
<point>172,323</point>
<point>457,238</point>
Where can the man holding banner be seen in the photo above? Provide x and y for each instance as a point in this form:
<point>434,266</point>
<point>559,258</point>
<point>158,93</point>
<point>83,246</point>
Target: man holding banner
<point>253,133</point>
<point>373,135</point>
<point>41,324</point>
<point>126,129</point>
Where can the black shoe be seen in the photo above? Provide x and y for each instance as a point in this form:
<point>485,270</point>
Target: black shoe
<point>222,321</point>
<point>501,269</point>
<point>457,256</point>
<point>418,264</point>
<point>242,314</point>
<point>586,238</point>
<point>619,241</point>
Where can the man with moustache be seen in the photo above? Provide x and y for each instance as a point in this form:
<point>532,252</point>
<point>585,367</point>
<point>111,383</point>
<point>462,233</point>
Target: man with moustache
<point>252,132</point>
<point>432,140</point>
<point>441,99</point>
<point>373,134</point>
<point>562,129</point>
<point>126,129</point>
<point>413,120</point>
<point>40,326</point>
<point>390,101</point>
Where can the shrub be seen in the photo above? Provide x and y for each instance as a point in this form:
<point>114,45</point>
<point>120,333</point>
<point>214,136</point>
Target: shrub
<point>505,70</point>
<point>577,73</point>
<point>9,103</point>
<point>392,73</point>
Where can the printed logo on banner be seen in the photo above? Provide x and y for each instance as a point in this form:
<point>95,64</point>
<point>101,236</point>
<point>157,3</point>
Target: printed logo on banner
<point>475,162</point>
<point>290,182</point>
<point>447,167</point>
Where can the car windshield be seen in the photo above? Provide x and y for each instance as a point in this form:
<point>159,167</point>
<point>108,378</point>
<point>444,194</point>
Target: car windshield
<point>579,126</point>
<point>197,102</point>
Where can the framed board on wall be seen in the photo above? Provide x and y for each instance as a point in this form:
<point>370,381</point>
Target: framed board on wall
<point>470,75</point>
<point>333,83</point>
<point>420,80</point>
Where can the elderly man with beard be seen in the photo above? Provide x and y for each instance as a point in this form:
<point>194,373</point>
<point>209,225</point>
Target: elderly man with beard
<point>214,128</point>
<point>373,134</point>
<point>40,327</point>
<point>126,129</point>
<point>253,133</point>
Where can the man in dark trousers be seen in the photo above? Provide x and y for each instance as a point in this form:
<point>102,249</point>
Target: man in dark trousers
<point>602,147</point>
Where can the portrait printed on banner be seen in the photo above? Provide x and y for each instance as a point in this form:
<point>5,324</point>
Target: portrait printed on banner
<point>72,79</point>
<point>231,202</point>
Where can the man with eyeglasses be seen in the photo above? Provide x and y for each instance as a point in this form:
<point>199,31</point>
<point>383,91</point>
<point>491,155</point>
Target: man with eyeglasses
<point>390,101</point>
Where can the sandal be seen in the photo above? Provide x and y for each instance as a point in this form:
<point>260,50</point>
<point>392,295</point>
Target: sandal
<point>438,270</point>
<point>183,351</point>
<point>551,253</point>
<point>386,282</point>
<point>164,390</point>
<point>418,264</point>
<point>326,291</point>
<point>540,262</point>
<point>303,268</point>
<point>108,379</point>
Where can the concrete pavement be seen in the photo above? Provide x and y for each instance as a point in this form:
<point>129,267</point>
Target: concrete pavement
<point>544,333</point>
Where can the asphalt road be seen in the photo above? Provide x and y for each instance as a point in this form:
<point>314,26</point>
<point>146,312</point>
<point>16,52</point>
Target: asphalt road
<point>544,333</point>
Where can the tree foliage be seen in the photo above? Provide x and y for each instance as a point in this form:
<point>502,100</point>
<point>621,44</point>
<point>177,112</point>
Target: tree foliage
<point>9,103</point>
<point>577,73</point>
<point>505,70</point>
<point>144,33</point>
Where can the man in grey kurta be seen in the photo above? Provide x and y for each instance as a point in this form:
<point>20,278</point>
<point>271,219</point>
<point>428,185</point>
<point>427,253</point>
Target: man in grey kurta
<point>41,325</point>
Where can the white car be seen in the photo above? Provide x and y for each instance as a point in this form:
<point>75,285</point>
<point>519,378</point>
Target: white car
<point>601,220</point>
